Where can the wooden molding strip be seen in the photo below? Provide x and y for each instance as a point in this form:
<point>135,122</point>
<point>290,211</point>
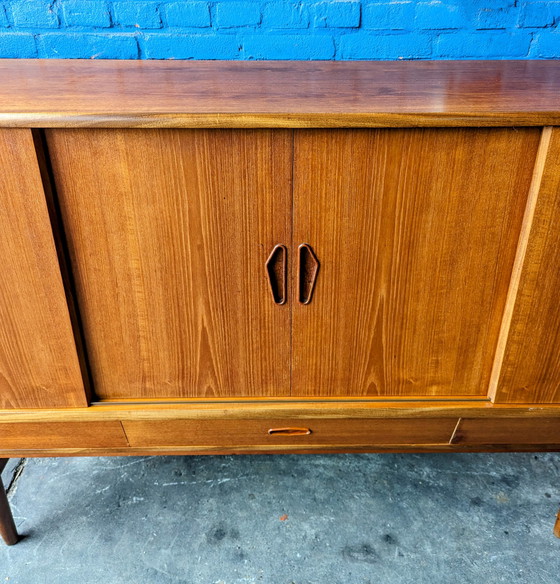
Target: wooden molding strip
<point>275,120</point>
<point>194,401</point>
<point>519,261</point>
<point>294,411</point>
<point>281,449</point>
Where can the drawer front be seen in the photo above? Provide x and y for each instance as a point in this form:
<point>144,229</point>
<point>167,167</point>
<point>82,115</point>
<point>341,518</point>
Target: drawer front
<point>297,432</point>
<point>508,431</point>
<point>49,435</point>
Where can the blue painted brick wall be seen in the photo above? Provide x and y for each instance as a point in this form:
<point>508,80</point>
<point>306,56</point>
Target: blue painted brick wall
<point>281,29</point>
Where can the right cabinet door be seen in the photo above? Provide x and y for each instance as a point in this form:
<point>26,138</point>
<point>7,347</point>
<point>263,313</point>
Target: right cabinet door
<point>416,232</point>
<point>530,361</point>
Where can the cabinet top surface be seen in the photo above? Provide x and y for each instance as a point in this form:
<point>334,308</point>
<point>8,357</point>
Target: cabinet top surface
<point>67,93</point>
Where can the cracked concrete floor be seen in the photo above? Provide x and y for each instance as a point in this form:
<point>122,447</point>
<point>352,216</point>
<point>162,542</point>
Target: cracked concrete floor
<point>337,519</point>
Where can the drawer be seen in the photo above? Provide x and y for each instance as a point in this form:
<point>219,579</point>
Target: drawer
<point>47,435</point>
<point>288,431</point>
<point>508,431</point>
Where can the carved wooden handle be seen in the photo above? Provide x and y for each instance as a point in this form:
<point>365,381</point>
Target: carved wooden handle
<point>277,270</point>
<point>308,268</point>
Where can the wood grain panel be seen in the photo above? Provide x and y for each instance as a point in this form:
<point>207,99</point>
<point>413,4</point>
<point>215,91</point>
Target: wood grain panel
<point>47,435</point>
<point>507,431</point>
<point>49,93</point>
<point>169,232</point>
<point>530,371</point>
<point>38,360</point>
<point>239,433</point>
<point>416,232</point>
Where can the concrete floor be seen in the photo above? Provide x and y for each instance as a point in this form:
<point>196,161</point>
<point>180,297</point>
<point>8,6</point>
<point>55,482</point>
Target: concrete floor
<point>338,519</point>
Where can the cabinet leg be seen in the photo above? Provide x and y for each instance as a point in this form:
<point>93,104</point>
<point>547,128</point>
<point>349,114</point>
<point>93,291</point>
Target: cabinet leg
<point>7,526</point>
<point>557,525</point>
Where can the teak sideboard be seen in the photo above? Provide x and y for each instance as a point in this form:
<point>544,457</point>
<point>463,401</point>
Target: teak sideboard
<point>245,257</point>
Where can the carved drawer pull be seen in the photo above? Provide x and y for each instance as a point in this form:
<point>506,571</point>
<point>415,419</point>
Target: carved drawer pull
<point>289,431</point>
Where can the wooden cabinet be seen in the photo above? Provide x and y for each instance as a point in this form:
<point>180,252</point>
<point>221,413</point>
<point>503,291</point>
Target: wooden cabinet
<point>262,257</point>
<point>169,232</point>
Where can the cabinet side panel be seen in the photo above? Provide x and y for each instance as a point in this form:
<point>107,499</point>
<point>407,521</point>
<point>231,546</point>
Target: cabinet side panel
<point>39,365</point>
<point>169,232</point>
<point>416,232</point>
<point>530,370</point>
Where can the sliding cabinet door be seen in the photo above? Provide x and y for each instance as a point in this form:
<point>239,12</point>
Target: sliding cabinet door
<point>528,364</point>
<point>169,233</point>
<point>415,232</point>
<point>39,366</point>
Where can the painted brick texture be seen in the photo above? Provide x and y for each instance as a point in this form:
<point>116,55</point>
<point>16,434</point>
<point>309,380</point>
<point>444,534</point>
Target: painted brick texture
<point>281,29</point>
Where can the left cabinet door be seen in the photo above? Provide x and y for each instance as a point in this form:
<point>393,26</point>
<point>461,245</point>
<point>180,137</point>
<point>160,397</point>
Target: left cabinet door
<point>39,366</point>
<point>169,232</point>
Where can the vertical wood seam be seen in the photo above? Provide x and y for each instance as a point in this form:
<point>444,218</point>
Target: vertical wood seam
<point>522,245</point>
<point>292,274</point>
<point>124,433</point>
<point>455,430</point>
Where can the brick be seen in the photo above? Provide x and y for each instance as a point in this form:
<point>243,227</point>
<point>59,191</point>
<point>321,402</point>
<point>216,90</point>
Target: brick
<point>392,29</point>
<point>546,45</point>
<point>337,14</point>
<point>285,15</point>
<point>295,47</point>
<point>388,16</point>
<point>494,3</point>
<point>143,15</point>
<point>482,45</point>
<point>438,16</point>
<point>3,17</point>
<point>86,13</point>
<point>233,14</point>
<point>188,14</point>
<point>375,46</point>
<point>186,46</point>
<point>35,14</point>
<point>17,45</point>
<point>497,18</point>
<point>540,15</point>
<point>89,45</point>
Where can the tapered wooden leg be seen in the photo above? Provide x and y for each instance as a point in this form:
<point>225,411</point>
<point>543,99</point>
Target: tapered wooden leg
<point>557,525</point>
<point>8,529</point>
